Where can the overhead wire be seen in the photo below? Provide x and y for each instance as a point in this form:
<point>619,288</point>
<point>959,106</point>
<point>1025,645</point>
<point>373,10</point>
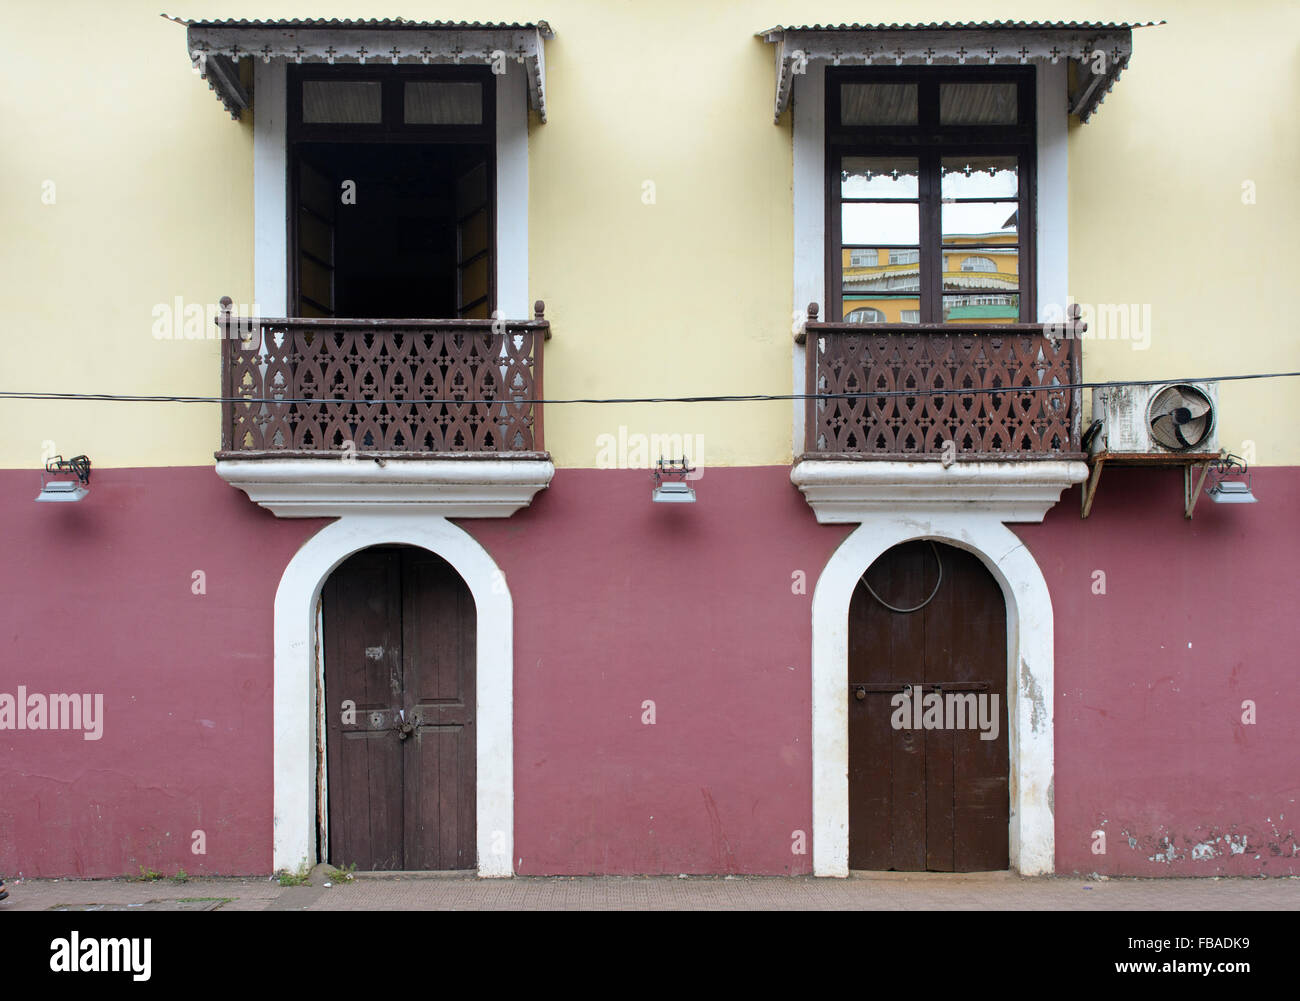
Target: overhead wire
<point>506,400</point>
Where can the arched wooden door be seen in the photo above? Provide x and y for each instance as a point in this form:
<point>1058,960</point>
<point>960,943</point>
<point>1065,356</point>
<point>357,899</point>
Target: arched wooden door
<point>928,792</point>
<point>399,646</point>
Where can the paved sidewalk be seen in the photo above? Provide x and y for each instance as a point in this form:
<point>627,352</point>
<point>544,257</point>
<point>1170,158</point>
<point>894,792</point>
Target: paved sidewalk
<point>876,891</point>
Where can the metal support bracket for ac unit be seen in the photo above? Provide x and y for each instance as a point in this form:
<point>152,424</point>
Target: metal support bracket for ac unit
<point>1193,478</point>
<point>1090,485</point>
<point>1190,494</point>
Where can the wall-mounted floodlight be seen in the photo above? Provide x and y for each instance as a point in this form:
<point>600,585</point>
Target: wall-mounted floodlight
<point>674,489</point>
<point>1230,482</point>
<point>65,490</point>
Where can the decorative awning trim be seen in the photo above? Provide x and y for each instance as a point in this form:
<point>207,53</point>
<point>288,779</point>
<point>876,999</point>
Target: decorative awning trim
<point>217,47</point>
<point>1100,51</point>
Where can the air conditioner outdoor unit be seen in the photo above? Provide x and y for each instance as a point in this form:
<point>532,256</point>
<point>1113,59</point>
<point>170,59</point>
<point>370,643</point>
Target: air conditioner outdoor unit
<point>1157,418</point>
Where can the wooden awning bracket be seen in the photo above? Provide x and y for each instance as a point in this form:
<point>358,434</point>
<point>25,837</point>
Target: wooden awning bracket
<point>1195,466</point>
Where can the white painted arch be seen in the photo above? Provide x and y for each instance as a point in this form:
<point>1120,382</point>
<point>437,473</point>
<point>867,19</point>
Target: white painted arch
<point>1032,833</point>
<point>294,840</point>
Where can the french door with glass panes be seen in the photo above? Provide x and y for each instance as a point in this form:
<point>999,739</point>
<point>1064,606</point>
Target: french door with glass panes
<point>930,195</point>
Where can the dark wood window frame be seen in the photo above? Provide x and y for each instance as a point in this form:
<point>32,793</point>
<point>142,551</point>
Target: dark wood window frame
<point>929,142</point>
<point>392,129</point>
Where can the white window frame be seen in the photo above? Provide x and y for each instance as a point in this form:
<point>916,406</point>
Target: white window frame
<point>270,190</point>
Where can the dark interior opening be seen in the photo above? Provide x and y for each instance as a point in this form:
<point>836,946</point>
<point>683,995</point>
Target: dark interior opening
<point>409,238</point>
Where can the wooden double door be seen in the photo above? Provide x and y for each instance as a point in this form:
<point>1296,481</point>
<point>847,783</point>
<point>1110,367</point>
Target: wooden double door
<point>927,799</point>
<point>399,646</point>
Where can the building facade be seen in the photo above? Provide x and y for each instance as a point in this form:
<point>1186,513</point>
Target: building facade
<point>376,333</point>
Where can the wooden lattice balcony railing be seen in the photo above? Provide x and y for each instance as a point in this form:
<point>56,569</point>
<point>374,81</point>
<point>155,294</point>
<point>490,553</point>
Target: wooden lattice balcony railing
<point>986,388</point>
<point>389,388</point>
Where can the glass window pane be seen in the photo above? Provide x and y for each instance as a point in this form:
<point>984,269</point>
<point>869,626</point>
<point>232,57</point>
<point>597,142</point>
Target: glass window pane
<point>342,102</point>
<point>889,271</point>
<point>878,104</point>
<point>881,309</point>
<point>982,308</point>
<point>471,188</point>
<point>981,268</point>
<point>878,177</point>
<point>880,223</point>
<point>474,280</point>
<point>474,234</point>
<point>316,282</point>
<point>977,104</point>
<point>315,237</point>
<point>979,177</point>
<point>443,102</point>
<point>977,221</point>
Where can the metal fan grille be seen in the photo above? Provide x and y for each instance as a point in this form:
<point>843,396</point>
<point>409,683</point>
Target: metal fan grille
<point>1180,417</point>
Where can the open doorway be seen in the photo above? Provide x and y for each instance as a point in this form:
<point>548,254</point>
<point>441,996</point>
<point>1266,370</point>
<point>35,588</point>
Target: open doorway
<point>391,195</point>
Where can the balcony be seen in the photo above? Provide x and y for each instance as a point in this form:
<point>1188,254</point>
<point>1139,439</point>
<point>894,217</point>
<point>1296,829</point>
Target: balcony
<point>332,416</point>
<point>987,389</point>
<point>946,413</point>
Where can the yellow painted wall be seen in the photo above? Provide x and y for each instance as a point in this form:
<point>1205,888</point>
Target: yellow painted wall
<point>1156,211</point>
<point>690,295</point>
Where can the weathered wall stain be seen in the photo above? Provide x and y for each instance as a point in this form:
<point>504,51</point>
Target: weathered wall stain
<point>723,859</point>
<point>1029,687</point>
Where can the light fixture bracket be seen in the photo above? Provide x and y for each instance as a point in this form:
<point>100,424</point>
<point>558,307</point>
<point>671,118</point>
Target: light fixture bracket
<point>65,490</point>
<point>670,482</point>
<point>1230,481</point>
<point>78,464</point>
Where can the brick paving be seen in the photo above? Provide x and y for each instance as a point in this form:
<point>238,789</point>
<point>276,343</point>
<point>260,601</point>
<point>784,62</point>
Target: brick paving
<point>876,891</point>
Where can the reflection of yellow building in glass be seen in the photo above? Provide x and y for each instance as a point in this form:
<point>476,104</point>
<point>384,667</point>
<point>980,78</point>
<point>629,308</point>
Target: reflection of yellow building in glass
<point>981,281</point>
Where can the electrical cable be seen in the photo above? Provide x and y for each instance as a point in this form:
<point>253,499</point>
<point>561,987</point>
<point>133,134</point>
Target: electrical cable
<point>734,398</point>
<point>916,608</point>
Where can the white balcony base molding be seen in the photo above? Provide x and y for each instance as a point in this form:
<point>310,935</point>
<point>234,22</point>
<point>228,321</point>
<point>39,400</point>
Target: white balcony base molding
<point>447,488</point>
<point>843,490</point>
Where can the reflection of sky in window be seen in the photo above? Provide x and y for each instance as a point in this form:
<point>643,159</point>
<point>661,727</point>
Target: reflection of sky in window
<point>965,218</point>
<point>874,223</point>
<point>879,186</point>
<point>896,178</point>
<point>980,184</point>
<point>891,177</point>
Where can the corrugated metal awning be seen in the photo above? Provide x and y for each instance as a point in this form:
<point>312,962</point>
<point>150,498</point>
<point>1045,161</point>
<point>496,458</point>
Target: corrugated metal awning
<point>1099,50</point>
<point>216,47</point>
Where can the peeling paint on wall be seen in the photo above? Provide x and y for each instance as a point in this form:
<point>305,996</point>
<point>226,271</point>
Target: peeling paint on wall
<point>1167,848</point>
<point>1029,686</point>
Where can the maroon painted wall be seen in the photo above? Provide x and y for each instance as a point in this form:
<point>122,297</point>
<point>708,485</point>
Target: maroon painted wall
<point>618,601</point>
<point>1197,616</point>
<point>97,597</point>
